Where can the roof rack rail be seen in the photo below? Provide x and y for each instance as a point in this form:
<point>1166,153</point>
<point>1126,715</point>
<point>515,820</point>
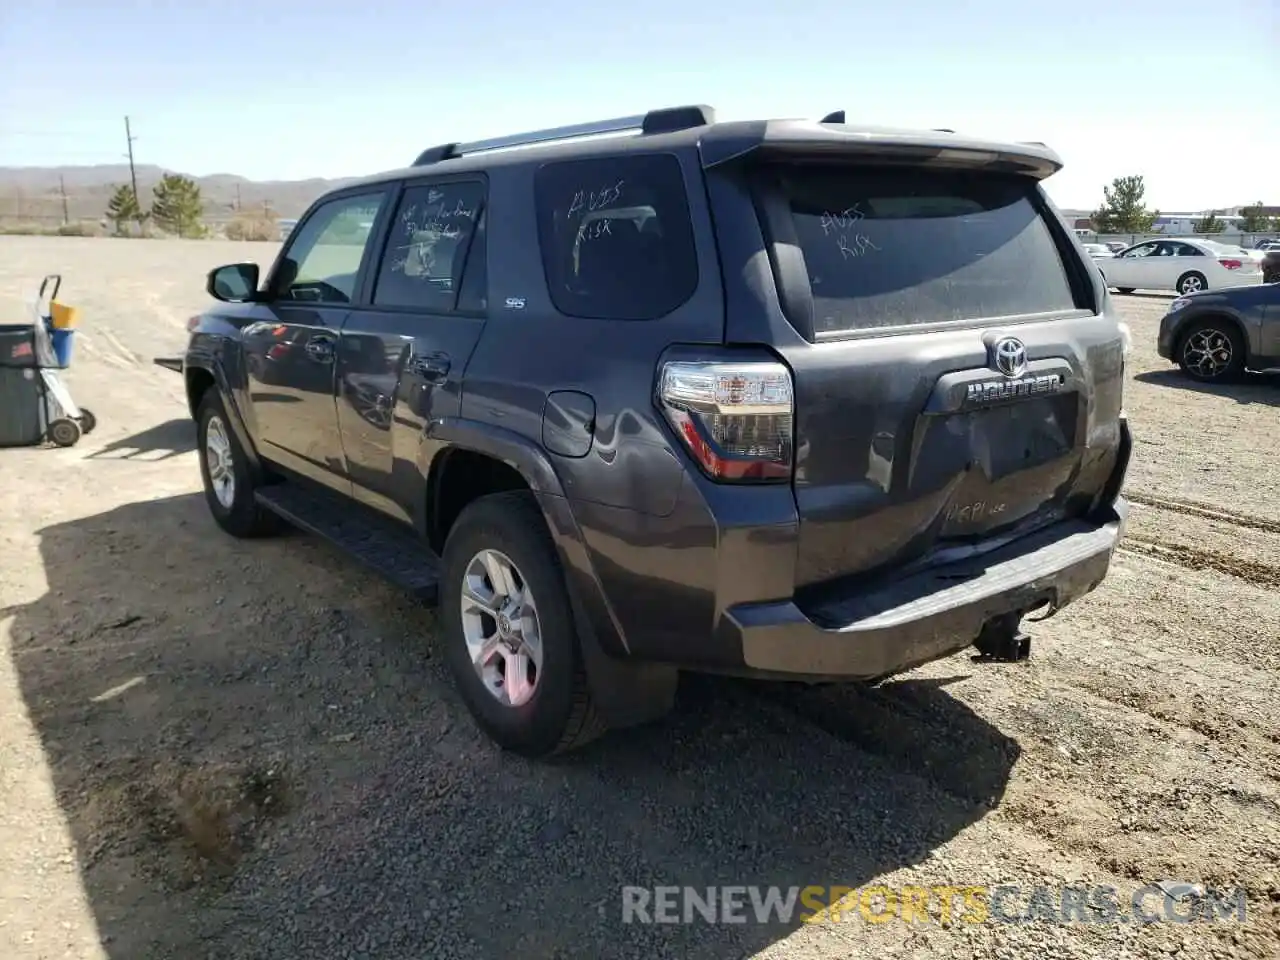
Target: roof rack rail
<point>943,130</point>
<point>836,116</point>
<point>665,120</point>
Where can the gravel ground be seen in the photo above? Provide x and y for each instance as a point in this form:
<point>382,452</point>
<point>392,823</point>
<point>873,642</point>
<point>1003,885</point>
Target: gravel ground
<point>220,749</point>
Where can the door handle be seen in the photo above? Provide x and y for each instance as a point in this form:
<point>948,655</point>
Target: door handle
<point>320,349</point>
<point>433,367</point>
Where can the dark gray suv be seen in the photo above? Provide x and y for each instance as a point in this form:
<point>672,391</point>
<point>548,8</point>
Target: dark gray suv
<point>786,399</point>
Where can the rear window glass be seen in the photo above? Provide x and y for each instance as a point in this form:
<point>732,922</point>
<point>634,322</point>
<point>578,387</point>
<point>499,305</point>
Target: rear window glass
<point>617,243</point>
<point>901,247</point>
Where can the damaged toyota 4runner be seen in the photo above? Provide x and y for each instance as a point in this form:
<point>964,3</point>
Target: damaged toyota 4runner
<point>799,400</point>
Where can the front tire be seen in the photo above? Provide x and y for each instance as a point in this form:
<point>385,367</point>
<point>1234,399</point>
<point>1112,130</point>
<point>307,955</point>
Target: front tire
<point>1212,351</point>
<point>228,480</point>
<point>64,432</point>
<point>508,629</point>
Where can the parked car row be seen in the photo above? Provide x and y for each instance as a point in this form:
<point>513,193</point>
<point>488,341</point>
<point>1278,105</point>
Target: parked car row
<point>1226,319</point>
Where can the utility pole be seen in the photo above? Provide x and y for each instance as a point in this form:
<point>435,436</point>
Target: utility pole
<point>62,188</point>
<point>133,177</point>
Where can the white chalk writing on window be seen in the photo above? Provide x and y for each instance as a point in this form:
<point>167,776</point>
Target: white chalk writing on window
<point>591,200</point>
<point>859,245</point>
<point>839,221</point>
<point>594,229</point>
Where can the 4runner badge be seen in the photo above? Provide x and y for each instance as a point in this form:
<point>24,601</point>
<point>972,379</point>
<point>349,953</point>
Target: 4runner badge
<point>990,391</point>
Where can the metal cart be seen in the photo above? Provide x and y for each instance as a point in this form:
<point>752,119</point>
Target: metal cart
<point>35,405</point>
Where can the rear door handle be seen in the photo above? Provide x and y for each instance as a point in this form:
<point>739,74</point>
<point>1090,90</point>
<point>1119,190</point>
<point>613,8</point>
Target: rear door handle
<point>320,349</point>
<point>430,366</point>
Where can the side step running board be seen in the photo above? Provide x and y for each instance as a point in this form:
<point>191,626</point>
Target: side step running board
<point>393,552</point>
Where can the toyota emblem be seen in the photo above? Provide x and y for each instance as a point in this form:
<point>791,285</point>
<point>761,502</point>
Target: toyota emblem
<point>1010,356</point>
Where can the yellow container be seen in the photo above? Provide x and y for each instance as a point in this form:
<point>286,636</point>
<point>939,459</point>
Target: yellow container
<point>62,316</point>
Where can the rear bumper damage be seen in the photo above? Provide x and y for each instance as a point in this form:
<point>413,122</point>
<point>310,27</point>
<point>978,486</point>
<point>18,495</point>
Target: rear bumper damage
<point>889,628</point>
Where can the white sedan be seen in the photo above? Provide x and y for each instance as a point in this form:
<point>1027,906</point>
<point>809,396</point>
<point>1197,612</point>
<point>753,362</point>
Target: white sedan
<point>1185,265</point>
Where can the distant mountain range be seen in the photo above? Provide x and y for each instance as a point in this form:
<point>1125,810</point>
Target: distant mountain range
<point>35,194</point>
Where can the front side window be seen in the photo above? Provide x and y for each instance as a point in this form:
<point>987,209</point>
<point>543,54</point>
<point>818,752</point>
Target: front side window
<point>898,247</point>
<point>323,260</point>
<point>428,247</point>
<point>616,238</point>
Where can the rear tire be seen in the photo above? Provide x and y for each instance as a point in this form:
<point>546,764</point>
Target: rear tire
<point>228,480</point>
<point>1212,351</point>
<point>1191,282</point>
<point>558,715</point>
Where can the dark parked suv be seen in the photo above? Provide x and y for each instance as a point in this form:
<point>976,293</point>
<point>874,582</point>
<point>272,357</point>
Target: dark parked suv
<point>786,399</point>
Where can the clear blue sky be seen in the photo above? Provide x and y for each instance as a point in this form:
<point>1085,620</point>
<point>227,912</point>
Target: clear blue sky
<point>1182,91</point>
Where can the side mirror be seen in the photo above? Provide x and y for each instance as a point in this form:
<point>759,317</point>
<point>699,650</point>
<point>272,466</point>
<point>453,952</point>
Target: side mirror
<point>233,283</point>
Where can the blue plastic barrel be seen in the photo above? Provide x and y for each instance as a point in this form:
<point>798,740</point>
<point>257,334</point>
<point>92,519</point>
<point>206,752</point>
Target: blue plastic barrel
<point>61,341</point>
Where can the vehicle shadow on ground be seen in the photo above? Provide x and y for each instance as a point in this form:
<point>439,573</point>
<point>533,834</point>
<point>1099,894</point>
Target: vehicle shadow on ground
<point>259,754</point>
<point>1149,295</point>
<point>165,440</point>
<point>1261,388</point>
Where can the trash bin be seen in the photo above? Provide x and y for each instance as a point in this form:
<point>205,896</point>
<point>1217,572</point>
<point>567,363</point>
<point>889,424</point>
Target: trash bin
<point>23,410</point>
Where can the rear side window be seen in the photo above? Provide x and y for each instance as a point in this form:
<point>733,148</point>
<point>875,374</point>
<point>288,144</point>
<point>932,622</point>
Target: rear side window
<point>615,234</point>
<point>427,249</point>
<point>903,247</point>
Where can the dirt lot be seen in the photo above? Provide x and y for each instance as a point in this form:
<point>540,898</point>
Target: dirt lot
<point>212,748</point>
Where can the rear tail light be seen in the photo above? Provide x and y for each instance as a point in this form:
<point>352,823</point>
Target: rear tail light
<point>735,419</point>
<point>1232,264</point>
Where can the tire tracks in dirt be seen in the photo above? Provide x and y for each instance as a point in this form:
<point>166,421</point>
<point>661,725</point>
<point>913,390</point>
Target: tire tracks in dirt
<point>1204,511</point>
<point>1196,558</point>
<point>1202,558</point>
<point>121,350</point>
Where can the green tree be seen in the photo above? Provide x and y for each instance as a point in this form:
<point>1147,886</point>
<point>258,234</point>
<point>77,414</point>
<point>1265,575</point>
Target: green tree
<point>123,207</point>
<point>1255,221</point>
<point>1209,224</point>
<point>1123,209</point>
<point>177,206</point>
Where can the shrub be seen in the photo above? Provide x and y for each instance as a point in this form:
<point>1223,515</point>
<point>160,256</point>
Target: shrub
<point>79,230</point>
<point>252,228</point>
